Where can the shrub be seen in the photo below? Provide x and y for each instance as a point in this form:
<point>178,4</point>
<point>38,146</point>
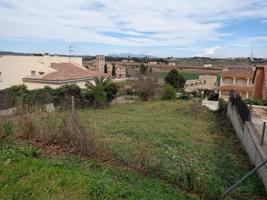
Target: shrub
<point>111,89</point>
<point>175,79</point>
<point>99,96</point>
<point>222,106</point>
<point>28,128</point>
<point>185,97</point>
<point>145,88</point>
<point>7,128</point>
<point>168,92</point>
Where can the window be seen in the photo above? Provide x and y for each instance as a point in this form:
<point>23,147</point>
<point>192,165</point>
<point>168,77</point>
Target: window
<point>241,81</point>
<point>32,73</point>
<point>41,73</point>
<point>0,76</point>
<point>227,81</point>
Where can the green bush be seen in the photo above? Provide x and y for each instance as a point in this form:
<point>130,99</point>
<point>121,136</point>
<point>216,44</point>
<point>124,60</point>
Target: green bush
<point>168,92</point>
<point>222,105</point>
<point>7,128</point>
<point>259,102</point>
<point>185,97</point>
<point>111,90</point>
<point>175,79</point>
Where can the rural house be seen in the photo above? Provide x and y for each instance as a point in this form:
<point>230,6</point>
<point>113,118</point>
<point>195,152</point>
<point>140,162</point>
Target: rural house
<point>237,79</point>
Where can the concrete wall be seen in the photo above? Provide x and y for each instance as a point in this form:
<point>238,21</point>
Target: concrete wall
<point>8,112</point>
<point>14,68</point>
<point>250,139</point>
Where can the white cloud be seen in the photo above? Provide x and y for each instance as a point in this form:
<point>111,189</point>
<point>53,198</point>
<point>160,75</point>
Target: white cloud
<point>210,52</point>
<point>134,23</point>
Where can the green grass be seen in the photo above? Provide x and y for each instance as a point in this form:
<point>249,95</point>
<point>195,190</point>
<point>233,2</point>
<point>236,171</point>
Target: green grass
<point>191,153</point>
<point>186,75</point>
<point>25,175</point>
<point>190,147</point>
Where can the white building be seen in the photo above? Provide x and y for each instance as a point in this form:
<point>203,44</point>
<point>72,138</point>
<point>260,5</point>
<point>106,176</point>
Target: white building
<point>33,70</point>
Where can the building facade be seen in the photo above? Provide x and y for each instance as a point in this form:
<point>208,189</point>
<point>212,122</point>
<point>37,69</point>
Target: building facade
<point>14,68</point>
<point>100,62</point>
<point>237,79</point>
<point>260,82</point>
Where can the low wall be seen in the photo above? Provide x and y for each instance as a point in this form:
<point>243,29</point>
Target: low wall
<point>250,139</point>
<point>8,112</point>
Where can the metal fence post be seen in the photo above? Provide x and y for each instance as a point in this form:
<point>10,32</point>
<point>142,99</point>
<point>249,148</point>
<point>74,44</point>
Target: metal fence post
<point>263,133</point>
<point>73,112</point>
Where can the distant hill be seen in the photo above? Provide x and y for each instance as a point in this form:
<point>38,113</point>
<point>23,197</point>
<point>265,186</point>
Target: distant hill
<point>126,55</point>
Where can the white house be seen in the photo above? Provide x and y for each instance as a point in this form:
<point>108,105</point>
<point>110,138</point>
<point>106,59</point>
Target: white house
<point>39,71</point>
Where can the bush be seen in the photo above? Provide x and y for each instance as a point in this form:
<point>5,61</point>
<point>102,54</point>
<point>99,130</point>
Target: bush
<point>168,92</point>
<point>259,102</point>
<point>175,79</point>
<point>7,128</point>
<point>98,96</point>
<point>145,88</point>
<point>185,97</point>
<point>222,106</point>
<point>111,90</point>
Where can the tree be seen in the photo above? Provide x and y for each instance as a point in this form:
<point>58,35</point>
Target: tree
<point>105,68</point>
<point>168,92</point>
<point>113,70</point>
<point>111,90</point>
<point>101,92</point>
<point>175,79</point>
<point>143,69</point>
<point>144,87</point>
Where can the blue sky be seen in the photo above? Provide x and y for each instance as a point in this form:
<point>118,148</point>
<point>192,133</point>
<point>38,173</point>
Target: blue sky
<point>180,28</point>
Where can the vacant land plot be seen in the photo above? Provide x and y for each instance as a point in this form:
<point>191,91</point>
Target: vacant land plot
<point>161,150</point>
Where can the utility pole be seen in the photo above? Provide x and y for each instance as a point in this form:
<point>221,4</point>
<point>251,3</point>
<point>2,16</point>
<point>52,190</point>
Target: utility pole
<point>70,51</point>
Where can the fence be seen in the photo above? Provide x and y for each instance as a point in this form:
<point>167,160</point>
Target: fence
<point>5,101</point>
<point>240,105</point>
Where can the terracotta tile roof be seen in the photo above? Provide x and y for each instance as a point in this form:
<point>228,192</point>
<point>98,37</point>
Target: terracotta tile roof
<point>238,72</point>
<point>236,88</point>
<point>68,71</point>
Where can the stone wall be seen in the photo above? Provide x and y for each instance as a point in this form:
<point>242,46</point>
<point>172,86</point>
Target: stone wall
<point>250,139</point>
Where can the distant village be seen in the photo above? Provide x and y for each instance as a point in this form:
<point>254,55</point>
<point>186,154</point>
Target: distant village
<point>39,70</point>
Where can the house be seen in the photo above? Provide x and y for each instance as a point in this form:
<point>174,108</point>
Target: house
<point>120,71</point>
<point>260,82</point>
<point>209,80</point>
<point>61,74</point>
<point>237,79</point>
<point>13,68</point>
<point>172,64</point>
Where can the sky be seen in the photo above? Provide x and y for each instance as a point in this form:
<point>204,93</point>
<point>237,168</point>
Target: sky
<point>163,28</point>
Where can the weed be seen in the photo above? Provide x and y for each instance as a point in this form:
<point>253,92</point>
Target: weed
<point>7,128</point>
<point>28,128</point>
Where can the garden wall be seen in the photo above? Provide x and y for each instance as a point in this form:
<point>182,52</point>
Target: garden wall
<point>250,139</point>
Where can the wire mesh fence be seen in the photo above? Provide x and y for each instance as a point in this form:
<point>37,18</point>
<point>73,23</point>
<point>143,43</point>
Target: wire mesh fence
<point>240,105</point>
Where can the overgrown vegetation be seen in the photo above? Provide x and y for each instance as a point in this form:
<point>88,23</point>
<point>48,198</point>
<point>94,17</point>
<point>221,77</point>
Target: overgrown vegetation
<point>259,102</point>
<point>175,79</point>
<point>179,144</point>
<point>98,94</point>
<point>168,92</point>
<point>144,87</point>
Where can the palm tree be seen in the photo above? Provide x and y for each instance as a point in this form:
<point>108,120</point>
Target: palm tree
<point>98,82</point>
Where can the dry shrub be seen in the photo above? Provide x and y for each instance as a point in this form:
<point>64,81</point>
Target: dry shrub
<point>141,160</point>
<point>79,137</point>
<point>28,129</point>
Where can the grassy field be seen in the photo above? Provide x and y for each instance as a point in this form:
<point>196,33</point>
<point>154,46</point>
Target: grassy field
<point>186,75</point>
<point>189,153</point>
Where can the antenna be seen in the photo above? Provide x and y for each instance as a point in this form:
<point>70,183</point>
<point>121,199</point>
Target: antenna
<point>251,52</point>
<point>71,49</point>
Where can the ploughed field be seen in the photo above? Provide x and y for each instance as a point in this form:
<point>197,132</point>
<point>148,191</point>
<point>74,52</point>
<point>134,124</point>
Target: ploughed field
<point>159,150</point>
